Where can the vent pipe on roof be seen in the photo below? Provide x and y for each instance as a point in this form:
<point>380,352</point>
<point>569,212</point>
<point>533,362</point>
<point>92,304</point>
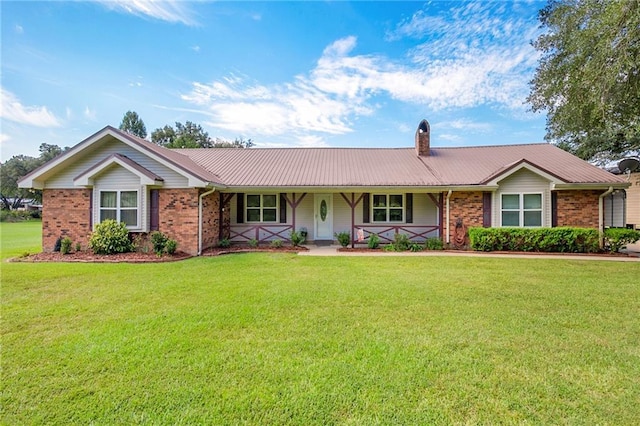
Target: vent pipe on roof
<point>423,138</point>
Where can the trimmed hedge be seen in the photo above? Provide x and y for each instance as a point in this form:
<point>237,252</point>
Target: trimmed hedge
<point>564,239</point>
<point>618,238</point>
<point>110,237</point>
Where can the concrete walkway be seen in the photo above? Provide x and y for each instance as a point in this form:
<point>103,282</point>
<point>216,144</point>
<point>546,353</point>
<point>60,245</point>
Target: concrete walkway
<point>634,256</point>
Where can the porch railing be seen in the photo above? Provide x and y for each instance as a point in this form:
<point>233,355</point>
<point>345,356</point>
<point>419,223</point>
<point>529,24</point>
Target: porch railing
<point>262,233</point>
<point>386,233</point>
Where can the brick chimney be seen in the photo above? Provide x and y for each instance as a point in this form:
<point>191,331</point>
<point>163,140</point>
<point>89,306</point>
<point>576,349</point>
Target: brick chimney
<point>423,138</point>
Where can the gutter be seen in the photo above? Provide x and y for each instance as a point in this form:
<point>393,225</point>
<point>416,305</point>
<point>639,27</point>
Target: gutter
<point>601,214</point>
<point>447,209</point>
<point>204,194</point>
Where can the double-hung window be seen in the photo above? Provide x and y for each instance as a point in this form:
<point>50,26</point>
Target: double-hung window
<point>521,210</point>
<point>262,208</point>
<point>388,208</point>
<point>121,206</point>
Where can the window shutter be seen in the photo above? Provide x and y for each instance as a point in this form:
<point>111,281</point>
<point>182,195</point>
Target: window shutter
<point>283,208</point>
<point>408,208</point>
<point>240,212</point>
<point>154,210</point>
<point>554,209</point>
<point>366,207</point>
<point>486,209</point>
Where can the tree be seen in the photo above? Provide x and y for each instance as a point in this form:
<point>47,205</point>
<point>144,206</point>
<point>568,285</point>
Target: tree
<point>588,78</point>
<point>188,135</point>
<point>15,169</point>
<point>133,124</point>
<point>237,143</point>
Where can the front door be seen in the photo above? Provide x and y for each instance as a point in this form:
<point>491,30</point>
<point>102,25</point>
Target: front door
<point>323,216</point>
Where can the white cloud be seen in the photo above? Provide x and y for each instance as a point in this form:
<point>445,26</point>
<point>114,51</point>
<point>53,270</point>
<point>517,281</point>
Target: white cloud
<point>195,48</point>
<point>89,113</point>
<point>473,54</point>
<point>174,11</point>
<point>4,138</point>
<point>18,29</point>
<point>13,110</point>
<point>465,125</point>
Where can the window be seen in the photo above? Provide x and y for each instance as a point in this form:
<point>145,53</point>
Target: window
<point>121,206</point>
<point>262,208</point>
<point>522,210</point>
<point>388,208</point>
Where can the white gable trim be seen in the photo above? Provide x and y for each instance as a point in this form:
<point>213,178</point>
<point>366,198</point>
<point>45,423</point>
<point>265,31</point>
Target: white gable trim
<point>36,178</point>
<point>146,177</point>
<point>523,165</point>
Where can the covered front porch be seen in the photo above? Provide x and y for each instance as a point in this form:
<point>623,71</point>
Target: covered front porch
<point>268,216</point>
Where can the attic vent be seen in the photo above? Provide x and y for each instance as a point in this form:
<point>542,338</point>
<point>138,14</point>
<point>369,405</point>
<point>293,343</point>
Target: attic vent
<point>423,138</point>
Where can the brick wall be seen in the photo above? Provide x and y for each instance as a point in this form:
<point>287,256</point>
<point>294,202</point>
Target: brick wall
<point>66,213</point>
<point>464,208</point>
<point>211,220</point>
<point>578,208</point>
<point>179,217</point>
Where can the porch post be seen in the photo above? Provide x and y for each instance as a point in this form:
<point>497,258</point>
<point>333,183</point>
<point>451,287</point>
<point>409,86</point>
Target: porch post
<point>441,216</point>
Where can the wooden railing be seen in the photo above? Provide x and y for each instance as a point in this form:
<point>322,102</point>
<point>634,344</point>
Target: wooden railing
<point>262,233</point>
<point>386,232</point>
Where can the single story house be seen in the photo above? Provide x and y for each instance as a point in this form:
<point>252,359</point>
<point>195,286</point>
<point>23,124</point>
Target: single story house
<point>616,215</point>
<point>200,196</point>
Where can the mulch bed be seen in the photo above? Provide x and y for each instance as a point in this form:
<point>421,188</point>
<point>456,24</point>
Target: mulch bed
<point>140,257</point>
<point>532,253</point>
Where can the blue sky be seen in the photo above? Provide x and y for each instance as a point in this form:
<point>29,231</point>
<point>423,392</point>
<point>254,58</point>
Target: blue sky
<point>356,74</point>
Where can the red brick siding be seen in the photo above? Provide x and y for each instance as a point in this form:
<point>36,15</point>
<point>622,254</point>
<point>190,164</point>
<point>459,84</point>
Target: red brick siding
<point>466,206</point>
<point>179,217</point>
<point>578,208</point>
<point>66,212</point>
<point>211,220</point>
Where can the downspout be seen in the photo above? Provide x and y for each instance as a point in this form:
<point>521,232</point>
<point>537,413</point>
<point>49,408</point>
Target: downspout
<point>601,214</point>
<point>448,235</point>
<point>204,194</point>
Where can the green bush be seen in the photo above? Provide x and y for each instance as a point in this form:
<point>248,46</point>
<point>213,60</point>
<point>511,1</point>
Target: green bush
<point>433,243</point>
<point>344,238</point>
<point>401,242</point>
<point>415,247</point>
<point>374,241</point>
<point>616,239</point>
<point>17,215</point>
<point>171,246</point>
<point>224,243</point>
<point>253,243</point>
<point>65,245</point>
<point>277,243</point>
<point>159,241</point>
<point>110,237</point>
<point>564,239</point>
<point>296,238</point>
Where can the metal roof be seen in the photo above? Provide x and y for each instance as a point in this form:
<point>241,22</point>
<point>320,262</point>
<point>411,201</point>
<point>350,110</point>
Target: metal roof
<point>402,167</point>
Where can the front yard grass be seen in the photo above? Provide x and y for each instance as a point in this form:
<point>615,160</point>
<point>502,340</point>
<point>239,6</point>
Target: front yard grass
<point>284,339</point>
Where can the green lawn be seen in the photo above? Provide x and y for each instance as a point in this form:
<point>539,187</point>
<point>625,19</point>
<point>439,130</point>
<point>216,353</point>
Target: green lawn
<point>282,339</point>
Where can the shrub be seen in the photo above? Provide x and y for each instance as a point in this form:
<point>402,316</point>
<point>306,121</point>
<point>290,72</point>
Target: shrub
<point>564,239</point>
<point>253,243</point>
<point>78,247</point>
<point>433,243</point>
<point>344,238</point>
<point>401,242</point>
<point>616,239</point>
<point>416,247</point>
<point>296,238</point>
<point>65,245</point>
<point>15,215</point>
<point>159,241</point>
<point>277,243</point>
<point>110,237</point>
<point>374,241</point>
<point>224,243</point>
<point>171,246</point>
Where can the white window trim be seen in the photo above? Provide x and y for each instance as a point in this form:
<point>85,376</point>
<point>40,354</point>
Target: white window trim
<point>118,209</point>
<point>404,208</point>
<point>521,209</point>
<point>247,208</point>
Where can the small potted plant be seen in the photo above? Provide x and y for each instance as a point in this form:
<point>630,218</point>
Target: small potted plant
<point>303,232</point>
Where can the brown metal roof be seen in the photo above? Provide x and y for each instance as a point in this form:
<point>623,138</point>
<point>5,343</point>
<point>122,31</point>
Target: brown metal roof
<point>402,167</point>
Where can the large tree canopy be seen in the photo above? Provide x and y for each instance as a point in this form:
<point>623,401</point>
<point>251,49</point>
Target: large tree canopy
<point>588,78</point>
<point>18,166</point>
<point>191,135</point>
<point>133,124</point>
